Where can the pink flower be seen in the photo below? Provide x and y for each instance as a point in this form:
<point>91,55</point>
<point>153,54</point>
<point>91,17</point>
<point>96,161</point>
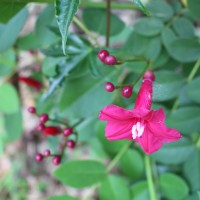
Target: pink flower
<point>143,125</point>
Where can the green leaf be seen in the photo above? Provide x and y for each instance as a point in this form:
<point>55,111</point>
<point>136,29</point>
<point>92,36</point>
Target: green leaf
<point>3,134</point>
<point>192,90</point>
<point>81,173</point>
<point>191,170</point>
<point>185,50</point>
<point>13,125</point>
<point>115,188</point>
<point>194,7</point>
<point>98,22</point>
<point>9,99</point>
<point>49,66</point>
<point>7,62</point>
<point>12,30</point>
<point>141,7</point>
<point>89,98</point>
<point>139,191</point>
<point>184,27</point>
<point>160,9</point>
<point>43,33</point>
<point>132,164</point>
<point>61,197</point>
<point>166,86</point>
<point>148,26</point>
<point>65,67</point>
<point>65,11</point>
<point>29,41</point>
<point>140,45</point>
<point>8,10</point>
<point>173,187</point>
<point>174,153</point>
<point>168,36</point>
<point>186,119</point>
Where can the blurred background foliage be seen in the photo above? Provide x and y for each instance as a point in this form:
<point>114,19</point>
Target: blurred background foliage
<point>73,88</point>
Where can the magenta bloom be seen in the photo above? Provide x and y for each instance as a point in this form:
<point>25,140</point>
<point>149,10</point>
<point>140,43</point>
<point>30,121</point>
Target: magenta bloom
<point>143,125</point>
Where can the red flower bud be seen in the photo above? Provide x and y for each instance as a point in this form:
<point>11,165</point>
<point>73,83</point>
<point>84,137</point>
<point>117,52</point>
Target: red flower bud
<point>51,130</point>
<point>30,82</point>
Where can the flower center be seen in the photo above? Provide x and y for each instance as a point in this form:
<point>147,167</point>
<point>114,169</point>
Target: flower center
<point>137,129</point>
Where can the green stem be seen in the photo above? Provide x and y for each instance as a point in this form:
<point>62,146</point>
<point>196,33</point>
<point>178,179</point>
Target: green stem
<point>189,79</point>
<point>198,142</point>
<point>85,29</point>
<point>108,23</point>
<point>139,77</point>
<point>150,182</point>
<point>113,5</point>
<point>194,71</point>
<point>118,156</point>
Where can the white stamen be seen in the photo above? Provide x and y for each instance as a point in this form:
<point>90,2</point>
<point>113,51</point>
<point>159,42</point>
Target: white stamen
<point>137,130</point>
<point>134,132</point>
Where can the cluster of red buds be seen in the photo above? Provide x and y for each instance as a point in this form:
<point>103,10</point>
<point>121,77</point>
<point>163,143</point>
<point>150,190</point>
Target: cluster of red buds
<point>126,90</point>
<point>106,58</point>
<point>53,131</point>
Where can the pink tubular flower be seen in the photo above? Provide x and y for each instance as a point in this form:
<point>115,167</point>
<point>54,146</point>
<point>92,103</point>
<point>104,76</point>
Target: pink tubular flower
<point>143,125</point>
<point>30,82</point>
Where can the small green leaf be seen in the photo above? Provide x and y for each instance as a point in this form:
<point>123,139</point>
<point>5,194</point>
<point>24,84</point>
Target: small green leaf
<point>175,152</point>
<point>13,125</point>
<point>9,99</point>
<point>160,9</point>
<point>141,7</point>
<point>184,27</point>
<point>191,170</point>
<point>141,45</point>
<point>132,164</point>
<point>192,90</point>
<point>42,31</point>
<point>81,173</point>
<point>148,26</point>
<point>173,187</point>
<point>115,188</point>
<point>98,22</point>
<point>7,62</point>
<point>185,50</point>
<point>62,197</point>
<point>12,30</point>
<point>49,66</point>
<point>194,7</point>
<point>65,11</point>
<point>186,119</point>
<point>140,191</point>
<point>8,10</point>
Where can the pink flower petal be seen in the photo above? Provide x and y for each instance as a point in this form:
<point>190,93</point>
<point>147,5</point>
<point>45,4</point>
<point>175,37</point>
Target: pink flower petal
<point>113,112</point>
<point>116,130</point>
<point>156,116</point>
<point>149,142</point>
<point>165,134</point>
<point>144,97</point>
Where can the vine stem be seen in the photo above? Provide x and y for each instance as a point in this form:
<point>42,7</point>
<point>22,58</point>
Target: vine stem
<point>108,23</point>
<point>120,6</point>
<point>150,182</point>
<point>194,71</point>
<point>118,156</point>
<point>189,79</point>
<point>85,30</point>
